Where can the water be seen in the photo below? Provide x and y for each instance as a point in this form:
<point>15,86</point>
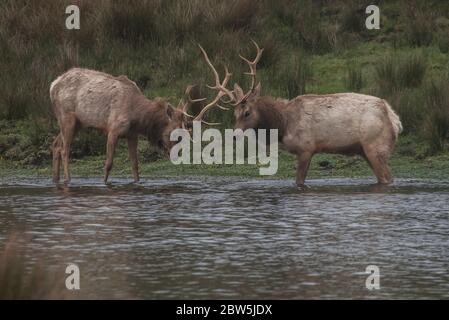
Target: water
<point>234,238</point>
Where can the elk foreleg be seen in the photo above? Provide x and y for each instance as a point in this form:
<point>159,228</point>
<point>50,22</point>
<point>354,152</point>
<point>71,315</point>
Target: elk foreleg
<point>110,148</point>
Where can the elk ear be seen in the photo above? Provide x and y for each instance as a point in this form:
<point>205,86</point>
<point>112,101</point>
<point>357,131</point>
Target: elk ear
<point>257,89</point>
<point>170,111</point>
<point>238,91</point>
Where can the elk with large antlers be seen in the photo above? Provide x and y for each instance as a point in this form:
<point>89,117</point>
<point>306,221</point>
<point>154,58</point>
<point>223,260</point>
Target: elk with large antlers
<point>343,123</point>
<point>115,105</point>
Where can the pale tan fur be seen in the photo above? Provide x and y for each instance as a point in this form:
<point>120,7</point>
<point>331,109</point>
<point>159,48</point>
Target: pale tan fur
<point>115,105</point>
<point>344,123</point>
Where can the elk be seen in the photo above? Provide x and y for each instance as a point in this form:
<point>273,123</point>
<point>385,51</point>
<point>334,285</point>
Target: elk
<point>341,123</point>
<point>87,98</point>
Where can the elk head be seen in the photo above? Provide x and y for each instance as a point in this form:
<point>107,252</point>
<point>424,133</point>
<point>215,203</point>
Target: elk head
<point>176,120</point>
<point>247,105</point>
<point>179,117</point>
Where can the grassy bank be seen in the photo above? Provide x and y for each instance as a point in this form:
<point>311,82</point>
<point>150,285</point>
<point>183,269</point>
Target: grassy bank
<point>405,163</point>
<point>310,47</point>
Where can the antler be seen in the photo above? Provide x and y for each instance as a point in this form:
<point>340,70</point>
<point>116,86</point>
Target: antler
<point>184,105</point>
<point>253,71</point>
<point>220,87</point>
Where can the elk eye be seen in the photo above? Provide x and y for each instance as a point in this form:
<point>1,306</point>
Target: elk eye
<point>246,114</point>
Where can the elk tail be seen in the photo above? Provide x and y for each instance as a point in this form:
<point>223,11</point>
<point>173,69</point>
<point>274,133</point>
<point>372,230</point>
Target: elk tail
<point>394,119</point>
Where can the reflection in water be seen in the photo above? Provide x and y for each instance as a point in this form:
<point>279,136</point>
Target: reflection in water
<point>229,238</point>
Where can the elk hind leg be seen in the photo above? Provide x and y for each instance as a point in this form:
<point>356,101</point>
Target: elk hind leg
<point>68,130</point>
<point>302,168</point>
<point>132,152</point>
<point>378,162</point>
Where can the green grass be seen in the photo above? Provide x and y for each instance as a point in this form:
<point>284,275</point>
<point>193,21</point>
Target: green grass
<point>308,49</point>
<point>408,161</point>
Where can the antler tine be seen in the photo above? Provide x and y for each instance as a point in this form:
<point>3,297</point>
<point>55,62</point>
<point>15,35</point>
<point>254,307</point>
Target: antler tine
<point>214,102</point>
<point>221,107</point>
<point>189,98</point>
<point>183,105</point>
<point>217,85</point>
<point>253,70</point>
<point>256,59</point>
<point>225,101</point>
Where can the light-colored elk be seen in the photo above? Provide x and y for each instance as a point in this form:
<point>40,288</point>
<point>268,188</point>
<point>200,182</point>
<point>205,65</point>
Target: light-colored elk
<point>115,105</point>
<point>343,123</point>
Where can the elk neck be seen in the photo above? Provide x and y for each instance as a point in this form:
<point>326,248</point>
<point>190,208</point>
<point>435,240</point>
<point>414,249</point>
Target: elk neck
<point>151,118</point>
<point>271,114</point>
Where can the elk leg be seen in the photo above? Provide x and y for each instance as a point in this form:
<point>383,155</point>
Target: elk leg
<point>301,170</point>
<point>110,148</point>
<point>378,163</point>
<point>56,148</point>
<point>132,152</point>
<point>68,133</point>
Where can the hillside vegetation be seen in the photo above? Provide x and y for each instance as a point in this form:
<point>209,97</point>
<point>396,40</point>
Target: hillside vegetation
<point>310,47</point>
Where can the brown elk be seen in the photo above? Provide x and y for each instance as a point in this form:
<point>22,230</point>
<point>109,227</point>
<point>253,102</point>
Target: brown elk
<point>343,123</point>
<point>115,105</point>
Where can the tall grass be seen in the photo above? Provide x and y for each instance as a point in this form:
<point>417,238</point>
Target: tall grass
<point>293,76</point>
<point>134,23</point>
<point>410,105</point>
<point>354,77</point>
<point>419,24</point>
<point>443,44</point>
<point>436,115</point>
<point>411,71</point>
<point>422,105</point>
<point>394,73</point>
<point>154,42</point>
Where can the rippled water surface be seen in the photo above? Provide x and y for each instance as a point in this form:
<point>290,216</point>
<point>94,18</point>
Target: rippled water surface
<point>231,238</point>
